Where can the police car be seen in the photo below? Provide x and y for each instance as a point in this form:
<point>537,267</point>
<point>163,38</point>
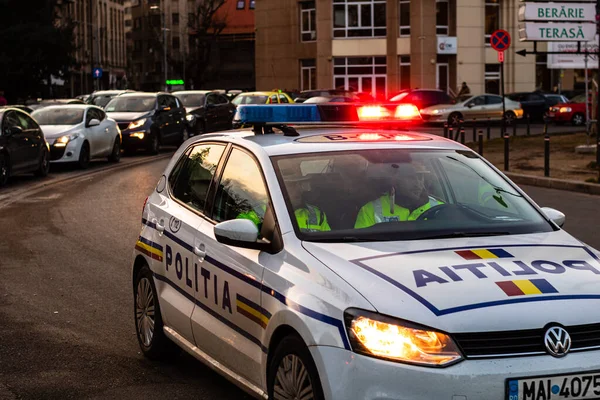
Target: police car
<point>323,255</point>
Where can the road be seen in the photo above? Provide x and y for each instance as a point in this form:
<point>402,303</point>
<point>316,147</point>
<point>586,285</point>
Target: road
<point>66,318</point>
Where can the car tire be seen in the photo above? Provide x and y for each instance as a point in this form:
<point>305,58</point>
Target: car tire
<point>148,320</point>
<point>291,359</point>
<point>154,146</point>
<point>44,165</point>
<point>454,119</point>
<point>201,127</point>
<point>4,169</point>
<point>185,135</point>
<point>578,119</point>
<point>115,154</point>
<point>84,156</point>
<point>509,118</point>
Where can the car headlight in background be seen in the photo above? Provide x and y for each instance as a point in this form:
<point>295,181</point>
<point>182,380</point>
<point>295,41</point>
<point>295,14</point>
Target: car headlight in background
<point>64,140</point>
<point>190,117</point>
<point>384,337</point>
<point>137,124</point>
<point>565,109</point>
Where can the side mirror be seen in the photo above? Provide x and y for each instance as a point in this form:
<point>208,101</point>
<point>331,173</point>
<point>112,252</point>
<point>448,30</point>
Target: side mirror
<point>554,215</point>
<point>93,122</point>
<point>470,105</point>
<point>240,233</point>
<point>14,130</point>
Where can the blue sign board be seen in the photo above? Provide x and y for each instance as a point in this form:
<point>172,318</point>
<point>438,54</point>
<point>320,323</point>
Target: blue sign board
<point>97,73</point>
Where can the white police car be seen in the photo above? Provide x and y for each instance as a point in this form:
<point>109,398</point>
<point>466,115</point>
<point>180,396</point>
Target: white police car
<point>362,263</point>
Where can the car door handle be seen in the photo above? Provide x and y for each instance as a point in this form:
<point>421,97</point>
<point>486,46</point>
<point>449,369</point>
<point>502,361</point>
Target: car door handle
<point>200,251</point>
<point>106,130</point>
<point>160,226</point>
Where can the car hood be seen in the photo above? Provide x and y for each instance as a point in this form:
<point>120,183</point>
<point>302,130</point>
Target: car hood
<point>474,284</point>
<point>56,131</point>
<point>127,116</point>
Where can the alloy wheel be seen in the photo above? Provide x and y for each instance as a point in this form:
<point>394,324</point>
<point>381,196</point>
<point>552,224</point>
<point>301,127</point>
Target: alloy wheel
<point>292,381</point>
<point>578,120</point>
<point>144,311</point>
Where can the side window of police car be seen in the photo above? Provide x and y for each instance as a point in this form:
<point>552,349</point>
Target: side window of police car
<point>191,178</point>
<point>241,192</point>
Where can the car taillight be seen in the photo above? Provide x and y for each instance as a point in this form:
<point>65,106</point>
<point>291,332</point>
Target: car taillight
<point>372,113</point>
<point>388,112</point>
<point>407,111</point>
<point>144,207</point>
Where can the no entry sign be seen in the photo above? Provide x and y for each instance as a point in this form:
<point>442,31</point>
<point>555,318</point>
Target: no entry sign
<point>500,40</point>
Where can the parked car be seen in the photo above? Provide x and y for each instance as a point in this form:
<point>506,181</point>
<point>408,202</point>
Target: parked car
<point>571,112</point>
<point>330,99</point>
<point>23,148</point>
<point>536,104</point>
<point>422,98</point>
<point>102,97</point>
<point>83,97</point>
<point>476,107</point>
<point>262,98</point>
<point>79,133</point>
<point>307,94</point>
<point>148,120</point>
<point>54,102</point>
<point>207,111</point>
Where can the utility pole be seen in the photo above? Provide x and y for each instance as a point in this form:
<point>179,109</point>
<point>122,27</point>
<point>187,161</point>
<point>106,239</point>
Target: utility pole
<point>164,29</point>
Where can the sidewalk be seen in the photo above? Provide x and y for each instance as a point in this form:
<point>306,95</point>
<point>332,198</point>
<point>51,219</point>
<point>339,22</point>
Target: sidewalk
<point>526,156</point>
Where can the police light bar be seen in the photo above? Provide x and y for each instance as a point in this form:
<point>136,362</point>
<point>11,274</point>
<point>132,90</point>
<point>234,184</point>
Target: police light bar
<point>331,113</point>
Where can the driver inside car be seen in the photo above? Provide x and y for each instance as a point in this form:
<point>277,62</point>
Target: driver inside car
<point>406,200</point>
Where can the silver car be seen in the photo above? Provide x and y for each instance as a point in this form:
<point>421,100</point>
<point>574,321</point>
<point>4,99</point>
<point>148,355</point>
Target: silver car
<point>477,107</point>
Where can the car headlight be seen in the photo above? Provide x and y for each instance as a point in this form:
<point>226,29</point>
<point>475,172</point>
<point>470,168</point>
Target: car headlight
<point>137,124</point>
<point>189,117</point>
<point>384,337</point>
<point>565,109</point>
<point>437,111</point>
<point>64,140</point>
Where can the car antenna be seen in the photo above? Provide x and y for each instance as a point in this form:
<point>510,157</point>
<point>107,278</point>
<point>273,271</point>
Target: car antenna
<point>266,129</point>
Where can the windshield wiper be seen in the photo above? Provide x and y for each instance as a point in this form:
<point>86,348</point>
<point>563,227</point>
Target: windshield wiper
<point>496,188</point>
<point>465,234</point>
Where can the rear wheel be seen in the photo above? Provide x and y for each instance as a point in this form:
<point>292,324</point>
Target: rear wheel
<point>4,169</point>
<point>578,119</point>
<point>44,165</point>
<point>115,154</point>
<point>148,320</point>
<point>292,372</point>
<point>84,156</point>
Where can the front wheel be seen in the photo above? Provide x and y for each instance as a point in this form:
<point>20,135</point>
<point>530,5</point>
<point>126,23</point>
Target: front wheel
<point>578,119</point>
<point>454,119</point>
<point>84,156</point>
<point>154,144</point>
<point>292,372</point>
<point>148,320</point>
<point>115,154</point>
<point>509,117</point>
<point>44,165</point>
<point>4,170</point>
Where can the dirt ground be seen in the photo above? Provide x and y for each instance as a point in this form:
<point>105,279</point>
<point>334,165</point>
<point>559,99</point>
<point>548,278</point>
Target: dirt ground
<point>527,156</point>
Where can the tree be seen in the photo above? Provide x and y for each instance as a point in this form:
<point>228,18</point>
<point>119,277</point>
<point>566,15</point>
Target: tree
<point>204,30</point>
<point>36,44</point>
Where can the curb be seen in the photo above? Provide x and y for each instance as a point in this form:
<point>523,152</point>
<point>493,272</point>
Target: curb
<point>11,197</point>
<point>552,183</point>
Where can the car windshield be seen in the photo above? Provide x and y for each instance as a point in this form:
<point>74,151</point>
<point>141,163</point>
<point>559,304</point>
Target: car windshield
<point>250,100</point>
<point>131,104</point>
<point>401,195</point>
<point>191,100</point>
<point>58,116</point>
<point>578,99</point>
<point>557,98</point>
<point>103,100</point>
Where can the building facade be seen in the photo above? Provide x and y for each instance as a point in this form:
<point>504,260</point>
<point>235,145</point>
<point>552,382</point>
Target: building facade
<point>384,46</point>
<point>99,36</point>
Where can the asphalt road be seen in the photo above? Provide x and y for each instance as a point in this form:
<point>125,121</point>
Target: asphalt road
<point>66,317</point>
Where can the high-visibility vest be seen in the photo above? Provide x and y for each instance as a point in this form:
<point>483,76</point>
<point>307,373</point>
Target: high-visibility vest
<point>311,219</point>
<point>381,210</point>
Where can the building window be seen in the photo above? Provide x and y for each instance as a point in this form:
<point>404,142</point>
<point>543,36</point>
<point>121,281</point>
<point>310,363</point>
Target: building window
<point>492,78</point>
<point>308,21</point>
<point>175,18</point>
<point>176,43</point>
<point>543,75</point>
<point>309,74</point>
<point>241,4</point>
<point>405,72</point>
<point>404,17</point>
<point>492,18</point>
<point>252,4</point>
<point>363,18</point>
<point>442,17</point>
<point>361,74</point>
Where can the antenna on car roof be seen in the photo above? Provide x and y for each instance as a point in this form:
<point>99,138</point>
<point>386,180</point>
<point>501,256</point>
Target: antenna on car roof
<point>266,129</point>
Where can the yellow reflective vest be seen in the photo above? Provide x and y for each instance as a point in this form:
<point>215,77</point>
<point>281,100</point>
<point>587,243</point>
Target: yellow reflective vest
<point>380,210</point>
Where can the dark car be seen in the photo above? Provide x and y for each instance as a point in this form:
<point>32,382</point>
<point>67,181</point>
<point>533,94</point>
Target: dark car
<point>207,111</point>
<point>23,148</point>
<point>307,94</point>
<point>102,97</point>
<point>536,104</point>
<point>148,120</point>
<point>423,98</point>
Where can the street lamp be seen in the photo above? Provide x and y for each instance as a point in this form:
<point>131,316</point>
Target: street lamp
<point>164,29</point>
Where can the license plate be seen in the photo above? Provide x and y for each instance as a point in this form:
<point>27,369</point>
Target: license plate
<point>573,387</point>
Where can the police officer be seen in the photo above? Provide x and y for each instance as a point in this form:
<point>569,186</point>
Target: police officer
<point>406,200</point>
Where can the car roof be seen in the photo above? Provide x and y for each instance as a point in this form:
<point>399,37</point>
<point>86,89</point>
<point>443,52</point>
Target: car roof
<point>69,106</point>
<point>191,92</point>
<point>310,140</point>
<point>258,93</point>
<point>142,94</point>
